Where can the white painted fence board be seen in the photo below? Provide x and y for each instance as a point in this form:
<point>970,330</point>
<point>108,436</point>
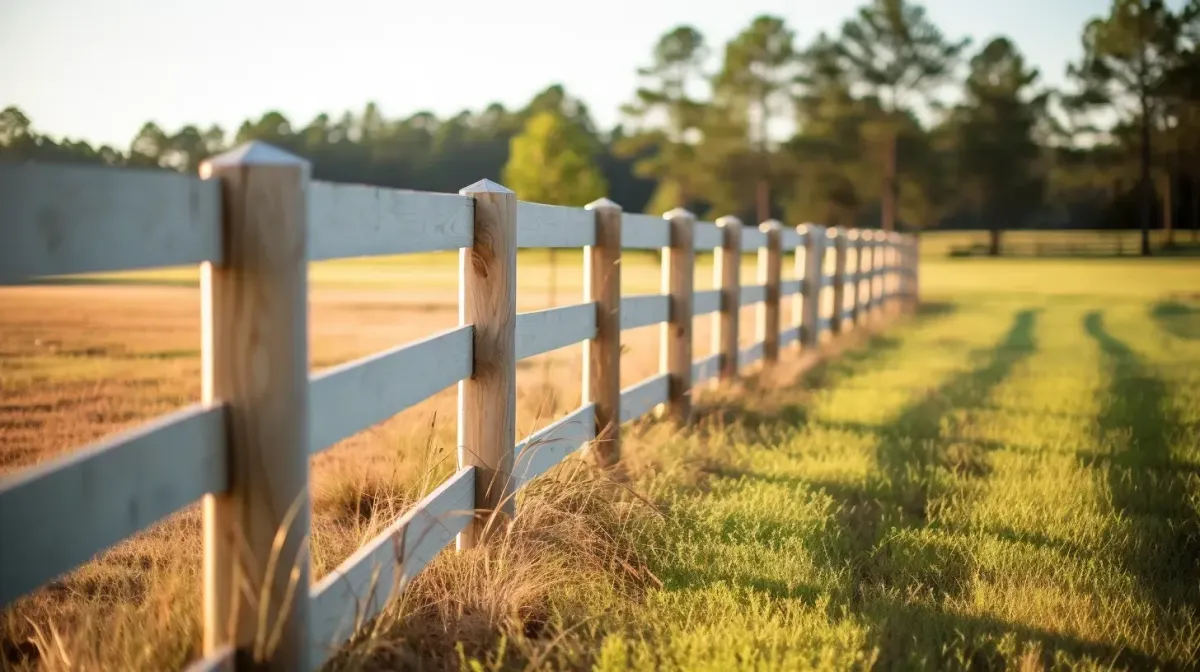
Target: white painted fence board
<point>753,238</point>
<point>826,281</point>
<point>349,398</point>
<point>750,355</point>
<point>789,287</point>
<point>58,514</point>
<point>751,294</point>
<point>545,330</point>
<point>221,660</point>
<point>355,220</point>
<point>706,368</point>
<point>552,444</point>
<point>707,301</point>
<point>789,239</point>
<point>60,220</point>
<point>824,324</point>
<point>644,310</point>
<point>378,571</point>
<point>644,232</point>
<point>638,400</point>
<point>540,225</point>
<point>706,236</point>
<point>787,336</point>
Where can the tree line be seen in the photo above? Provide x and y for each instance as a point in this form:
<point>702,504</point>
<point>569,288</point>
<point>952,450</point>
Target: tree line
<point>886,122</point>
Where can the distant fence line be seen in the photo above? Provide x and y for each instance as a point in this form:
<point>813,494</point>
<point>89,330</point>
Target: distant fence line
<point>253,220</point>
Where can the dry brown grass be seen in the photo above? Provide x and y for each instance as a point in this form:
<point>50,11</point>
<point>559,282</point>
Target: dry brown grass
<point>80,362</point>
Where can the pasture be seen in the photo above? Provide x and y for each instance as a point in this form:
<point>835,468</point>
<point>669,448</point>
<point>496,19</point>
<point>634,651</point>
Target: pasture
<point>1011,477</point>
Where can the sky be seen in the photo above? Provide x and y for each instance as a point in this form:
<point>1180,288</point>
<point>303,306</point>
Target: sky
<point>98,69</point>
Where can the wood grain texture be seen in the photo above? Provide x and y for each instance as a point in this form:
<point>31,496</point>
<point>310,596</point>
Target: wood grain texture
<point>838,311</point>
<point>602,354</point>
<point>706,368</point>
<point>814,273</point>
<point>638,400</point>
<point>706,236</point>
<point>552,444</point>
<point>349,398</point>
<point>675,345</point>
<point>770,272</point>
<point>381,569</point>
<point>541,331</point>
<point>58,514</point>
<point>644,232</point>
<point>706,301</point>
<point>727,273</point>
<point>254,356</point>
<point>540,225</point>
<point>487,401</point>
<point>353,220</point>
<point>644,310</point>
<point>59,220</point>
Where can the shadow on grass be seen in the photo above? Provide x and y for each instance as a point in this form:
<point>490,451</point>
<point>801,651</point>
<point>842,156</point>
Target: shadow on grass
<point>915,463</point>
<point>1176,318</point>
<point>750,411</point>
<point>1155,501</point>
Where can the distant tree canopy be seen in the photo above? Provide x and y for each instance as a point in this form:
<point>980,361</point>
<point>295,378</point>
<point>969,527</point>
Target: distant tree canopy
<point>887,122</point>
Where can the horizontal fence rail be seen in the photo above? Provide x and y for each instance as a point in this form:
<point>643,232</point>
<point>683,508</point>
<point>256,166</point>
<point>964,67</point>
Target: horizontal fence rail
<point>62,220</point>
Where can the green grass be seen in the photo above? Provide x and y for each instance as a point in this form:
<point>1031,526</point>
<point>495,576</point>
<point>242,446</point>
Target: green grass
<point>1010,480</point>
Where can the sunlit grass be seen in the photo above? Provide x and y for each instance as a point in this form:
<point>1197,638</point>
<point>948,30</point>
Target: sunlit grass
<point>1010,479</point>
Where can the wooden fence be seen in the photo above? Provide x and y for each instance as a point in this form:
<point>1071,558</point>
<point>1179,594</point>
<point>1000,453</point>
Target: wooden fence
<point>253,221</point>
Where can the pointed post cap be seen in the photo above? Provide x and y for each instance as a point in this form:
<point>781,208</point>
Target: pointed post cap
<point>770,225</point>
<point>602,204</point>
<point>729,220</point>
<point>253,153</point>
<point>808,227</point>
<point>678,212</point>
<point>853,234</point>
<point>485,186</point>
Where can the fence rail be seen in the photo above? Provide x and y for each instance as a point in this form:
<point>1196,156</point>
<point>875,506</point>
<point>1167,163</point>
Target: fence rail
<point>253,221</point>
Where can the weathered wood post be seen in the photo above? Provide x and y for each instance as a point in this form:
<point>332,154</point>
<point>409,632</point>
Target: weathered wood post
<point>853,277</point>
<point>602,354</point>
<point>797,299</point>
<point>915,272</point>
<point>487,401</point>
<point>814,273</point>
<point>889,277</point>
<point>254,357</point>
<point>839,238</point>
<point>769,274</point>
<point>727,271</point>
<point>867,257</point>
<point>676,334</point>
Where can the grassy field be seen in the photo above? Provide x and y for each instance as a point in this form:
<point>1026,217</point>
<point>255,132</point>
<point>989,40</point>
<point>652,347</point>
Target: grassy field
<point>1010,479</point>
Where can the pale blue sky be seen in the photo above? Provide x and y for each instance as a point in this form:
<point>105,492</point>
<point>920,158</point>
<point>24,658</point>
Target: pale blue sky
<point>97,69</point>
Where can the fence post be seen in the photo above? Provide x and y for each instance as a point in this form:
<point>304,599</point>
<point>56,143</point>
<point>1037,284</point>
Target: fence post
<point>676,335</point>
<point>727,271</point>
<point>602,354</point>
<point>838,313</point>
<point>487,401</point>
<point>769,274</point>
<point>798,269</point>
<point>915,269</point>
<point>254,342</point>
<point>867,257</point>
<point>891,278</point>
<point>814,274</point>
<point>854,277</point>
